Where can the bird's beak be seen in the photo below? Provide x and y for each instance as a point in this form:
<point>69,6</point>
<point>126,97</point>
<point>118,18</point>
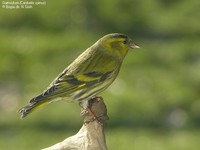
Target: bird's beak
<point>133,45</point>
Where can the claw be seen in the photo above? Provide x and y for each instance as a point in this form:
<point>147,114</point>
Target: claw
<point>92,112</point>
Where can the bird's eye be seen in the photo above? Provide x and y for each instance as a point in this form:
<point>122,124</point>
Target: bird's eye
<point>125,41</point>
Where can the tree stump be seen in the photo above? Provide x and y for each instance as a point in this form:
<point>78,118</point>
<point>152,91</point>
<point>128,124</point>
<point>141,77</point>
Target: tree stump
<point>91,135</point>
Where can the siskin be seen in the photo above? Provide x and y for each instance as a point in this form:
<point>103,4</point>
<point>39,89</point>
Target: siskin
<point>88,75</point>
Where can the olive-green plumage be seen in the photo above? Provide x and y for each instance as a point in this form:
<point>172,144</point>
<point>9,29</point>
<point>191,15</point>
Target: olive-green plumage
<point>88,75</point>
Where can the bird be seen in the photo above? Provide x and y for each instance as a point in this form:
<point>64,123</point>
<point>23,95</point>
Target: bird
<point>88,75</point>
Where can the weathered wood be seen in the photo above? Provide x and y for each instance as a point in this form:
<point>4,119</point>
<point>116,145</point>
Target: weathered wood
<point>91,135</point>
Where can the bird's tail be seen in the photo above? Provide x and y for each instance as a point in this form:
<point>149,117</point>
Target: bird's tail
<point>31,107</point>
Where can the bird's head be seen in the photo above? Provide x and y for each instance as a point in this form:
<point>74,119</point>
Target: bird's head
<point>117,44</point>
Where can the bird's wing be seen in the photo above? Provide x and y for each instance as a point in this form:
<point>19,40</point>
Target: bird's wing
<point>80,74</point>
<point>66,84</point>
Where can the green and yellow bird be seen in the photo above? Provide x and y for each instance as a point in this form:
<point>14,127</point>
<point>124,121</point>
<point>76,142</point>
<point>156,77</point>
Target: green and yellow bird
<point>88,75</point>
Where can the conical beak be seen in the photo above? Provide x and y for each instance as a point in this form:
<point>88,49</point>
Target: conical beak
<point>133,45</point>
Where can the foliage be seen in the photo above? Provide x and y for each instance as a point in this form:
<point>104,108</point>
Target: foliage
<point>157,89</point>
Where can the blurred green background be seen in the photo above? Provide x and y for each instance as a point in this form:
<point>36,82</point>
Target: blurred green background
<point>154,104</point>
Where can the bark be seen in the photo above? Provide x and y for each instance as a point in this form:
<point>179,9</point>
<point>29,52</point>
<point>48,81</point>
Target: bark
<point>91,136</point>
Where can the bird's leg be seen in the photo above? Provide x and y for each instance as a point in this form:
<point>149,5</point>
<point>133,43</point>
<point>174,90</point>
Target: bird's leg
<point>92,116</point>
<point>90,110</point>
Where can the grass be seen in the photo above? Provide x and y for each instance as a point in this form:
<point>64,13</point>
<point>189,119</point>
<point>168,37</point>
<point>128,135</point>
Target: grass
<point>152,139</point>
<point>120,138</point>
<point>153,105</point>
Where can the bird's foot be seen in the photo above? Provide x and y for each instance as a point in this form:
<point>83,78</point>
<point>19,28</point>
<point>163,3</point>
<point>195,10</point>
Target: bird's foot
<point>94,112</point>
<point>89,112</point>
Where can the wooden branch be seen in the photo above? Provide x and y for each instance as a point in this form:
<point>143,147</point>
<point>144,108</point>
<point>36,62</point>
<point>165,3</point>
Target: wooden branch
<point>91,135</point>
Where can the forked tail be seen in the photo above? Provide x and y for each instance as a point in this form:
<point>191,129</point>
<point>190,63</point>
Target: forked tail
<point>31,107</point>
